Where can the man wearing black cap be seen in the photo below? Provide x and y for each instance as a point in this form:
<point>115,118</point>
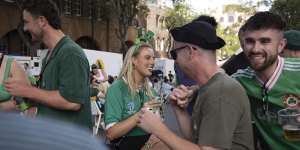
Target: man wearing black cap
<point>181,77</point>
<point>292,47</point>
<point>221,114</point>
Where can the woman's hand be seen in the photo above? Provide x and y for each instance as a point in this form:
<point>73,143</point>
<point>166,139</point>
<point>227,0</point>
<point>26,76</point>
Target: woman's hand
<point>180,96</point>
<point>152,104</point>
<point>149,121</point>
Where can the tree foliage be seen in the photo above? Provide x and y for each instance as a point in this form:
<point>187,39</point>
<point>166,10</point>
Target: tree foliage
<point>229,34</point>
<point>232,42</point>
<point>179,15</point>
<point>257,3</point>
<point>178,1</point>
<point>239,8</point>
<point>289,10</point>
<point>126,12</point>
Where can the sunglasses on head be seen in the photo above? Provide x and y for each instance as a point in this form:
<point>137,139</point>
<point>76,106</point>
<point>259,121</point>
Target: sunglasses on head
<point>173,52</point>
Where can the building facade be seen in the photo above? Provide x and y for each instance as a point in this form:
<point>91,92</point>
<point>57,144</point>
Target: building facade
<point>88,22</point>
<point>84,21</point>
<point>156,23</point>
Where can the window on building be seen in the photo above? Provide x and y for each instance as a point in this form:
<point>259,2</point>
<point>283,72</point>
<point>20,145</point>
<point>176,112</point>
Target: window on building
<point>222,19</point>
<point>91,9</point>
<point>85,7</point>
<point>152,1</point>
<point>157,21</point>
<point>59,5</point>
<point>240,19</point>
<point>157,44</point>
<point>100,9</point>
<point>67,7</point>
<point>230,19</point>
<point>162,42</point>
<point>77,7</point>
<point>161,22</point>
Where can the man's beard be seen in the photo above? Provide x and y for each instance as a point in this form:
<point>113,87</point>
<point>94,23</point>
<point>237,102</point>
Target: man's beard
<point>269,61</point>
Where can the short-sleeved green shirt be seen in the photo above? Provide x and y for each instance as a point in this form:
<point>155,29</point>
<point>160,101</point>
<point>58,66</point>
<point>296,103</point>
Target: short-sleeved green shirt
<point>120,105</point>
<point>67,71</point>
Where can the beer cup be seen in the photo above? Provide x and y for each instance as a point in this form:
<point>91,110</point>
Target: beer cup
<point>289,120</point>
<point>155,106</point>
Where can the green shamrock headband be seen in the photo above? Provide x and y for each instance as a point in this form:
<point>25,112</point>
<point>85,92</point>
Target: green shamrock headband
<point>142,38</point>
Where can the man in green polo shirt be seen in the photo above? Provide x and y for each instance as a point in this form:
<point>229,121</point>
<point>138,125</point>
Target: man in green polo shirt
<point>63,91</point>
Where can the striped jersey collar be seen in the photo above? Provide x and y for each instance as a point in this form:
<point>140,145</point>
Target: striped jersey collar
<point>273,79</point>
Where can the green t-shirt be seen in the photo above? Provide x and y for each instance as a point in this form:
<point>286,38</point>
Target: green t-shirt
<point>67,71</point>
<point>284,81</point>
<point>120,105</point>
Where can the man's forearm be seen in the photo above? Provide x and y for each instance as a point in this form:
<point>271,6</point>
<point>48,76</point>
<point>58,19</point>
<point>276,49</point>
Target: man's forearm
<point>51,98</point>
<point>173,141</point>
<point>122,128</point>
<point>8,105</point>
<point>184,121</point>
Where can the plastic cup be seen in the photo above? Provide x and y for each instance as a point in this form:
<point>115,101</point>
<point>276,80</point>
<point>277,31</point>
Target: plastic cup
<point>289,120</point>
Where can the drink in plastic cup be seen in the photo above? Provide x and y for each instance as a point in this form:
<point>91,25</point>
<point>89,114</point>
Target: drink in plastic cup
<point>156,106</point>
<point>288,119</point>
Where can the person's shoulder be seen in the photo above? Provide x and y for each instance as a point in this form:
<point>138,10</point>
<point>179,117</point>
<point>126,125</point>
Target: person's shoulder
<point>70,46</point>
<point>291,64</point>
<point>229,85</point>
<point>228,82</point>
<point>244,73</point>
<point>117,84</point>
<point>70,50</point>
<point>58,135</point>
<point>232,90</point>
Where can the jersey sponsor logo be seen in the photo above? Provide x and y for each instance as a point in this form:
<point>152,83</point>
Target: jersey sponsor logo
<point>291,101</point>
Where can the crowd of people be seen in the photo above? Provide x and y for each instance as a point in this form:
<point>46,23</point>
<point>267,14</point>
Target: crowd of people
<point>236,106</point>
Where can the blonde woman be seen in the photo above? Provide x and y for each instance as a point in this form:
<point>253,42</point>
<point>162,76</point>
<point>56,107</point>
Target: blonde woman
<point>9,69</point>
<point>126,96</point>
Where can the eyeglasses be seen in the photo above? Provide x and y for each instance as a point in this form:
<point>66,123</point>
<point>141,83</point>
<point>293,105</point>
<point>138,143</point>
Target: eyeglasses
<point>173,52</point>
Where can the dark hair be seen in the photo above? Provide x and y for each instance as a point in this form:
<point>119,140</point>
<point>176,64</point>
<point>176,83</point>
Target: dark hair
<point>94,66</point>
<point>265,20</point>
<point>166,79</point>
<point>110,79</point>
<point>241,32</point>
<point>211,20</point>
<point>46,8</point>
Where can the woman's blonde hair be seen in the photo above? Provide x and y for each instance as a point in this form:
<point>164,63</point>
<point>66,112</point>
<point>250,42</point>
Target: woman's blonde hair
<point>128,67</point>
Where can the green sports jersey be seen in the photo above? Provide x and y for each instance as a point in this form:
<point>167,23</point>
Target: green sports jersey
<point>120,105</point>
<point>268,98</point>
